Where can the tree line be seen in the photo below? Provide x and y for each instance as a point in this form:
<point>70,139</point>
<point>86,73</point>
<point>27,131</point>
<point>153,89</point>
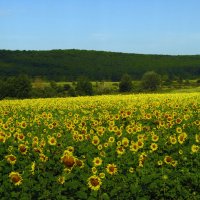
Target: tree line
<point>68,65</point>
<point>22,86</point>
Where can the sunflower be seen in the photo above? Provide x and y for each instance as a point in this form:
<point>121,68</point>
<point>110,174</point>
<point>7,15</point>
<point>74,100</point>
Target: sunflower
<point>111,139</point>
<point>52,141</point>
<point>100,147</point>
<point>43,158</point>
<point>94,170</point>
<point>179,130</point>
<point>140,144</point>
<point>197,138</point>
<point>160,162</point>
<point>118,133</point>
<point>178,120</point>
<point>125,142</point>
<point>16,178</point>
<point>102,175</point>
<point>23,149</point>
<point>119,143</point>
<point>154,146</point>
<point>172,139</point>
<point>155,138</point>
<point>80,137</point>
<point>180,151</point>
<point>197,122</point>
<point>182,137</point>
<point>111,169</point>
<point>174,163</point>
<point>194,148</point>
<point>131,169</point>
<point>69,149</point>
<point>2,139</point>
<point>134,147</point>
<point>21,136</point>
<point>97,161</point>
<point>94,182</point>
<point>168,159</point>
<point>120,150</point>
<point>79,163</point>
<point>68,160</point>
<point>61,180</point>
<point>23,124</point>
<point>11,159</point>
<point>95,140</point>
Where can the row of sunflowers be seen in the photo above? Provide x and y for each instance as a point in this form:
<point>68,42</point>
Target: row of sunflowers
<point>143,146</point>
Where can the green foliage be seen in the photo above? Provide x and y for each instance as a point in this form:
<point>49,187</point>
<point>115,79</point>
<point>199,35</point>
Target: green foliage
<point>73,122</point>
<point>126,84</point>
<point>16,87</point>
<point>84,87</point>
<point>151,81</point>
<point>68,65</point>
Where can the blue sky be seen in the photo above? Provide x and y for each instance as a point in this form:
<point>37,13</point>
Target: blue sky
<point>134,26</point>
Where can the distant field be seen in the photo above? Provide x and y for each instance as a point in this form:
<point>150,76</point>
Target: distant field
<point>172,88</point>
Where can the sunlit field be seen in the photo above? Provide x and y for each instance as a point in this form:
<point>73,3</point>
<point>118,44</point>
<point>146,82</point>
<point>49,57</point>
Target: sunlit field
<point>143,146</point>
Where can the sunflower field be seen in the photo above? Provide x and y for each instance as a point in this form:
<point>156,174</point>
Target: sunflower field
<point>143,146</point>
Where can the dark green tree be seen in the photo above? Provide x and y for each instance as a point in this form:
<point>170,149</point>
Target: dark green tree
<point>126,84</point>
<point>22,86</point>
<point>151,81</point>
<point>2,89</point>
<point>84,87</point>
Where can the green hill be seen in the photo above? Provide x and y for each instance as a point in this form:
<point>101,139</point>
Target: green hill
<point>97,65</point>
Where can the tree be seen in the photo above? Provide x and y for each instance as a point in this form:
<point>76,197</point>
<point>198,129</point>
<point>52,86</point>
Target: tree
<point>22,87</point>
<point>126,84</point>
<point>151,81</point>
<point>84,87</point>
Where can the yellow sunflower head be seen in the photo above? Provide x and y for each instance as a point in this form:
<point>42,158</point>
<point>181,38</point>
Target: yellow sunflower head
<point>15,178</point>
<point>94,182</point>
<point>11,159</point>
<point>111,169</point>
<point>97,161</point>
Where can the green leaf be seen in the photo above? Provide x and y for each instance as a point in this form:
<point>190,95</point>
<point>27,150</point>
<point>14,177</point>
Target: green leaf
<point>105,196</point>
<point>81,195</point>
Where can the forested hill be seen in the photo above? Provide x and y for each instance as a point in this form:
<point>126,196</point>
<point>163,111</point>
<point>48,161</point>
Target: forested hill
<point>97,65</point>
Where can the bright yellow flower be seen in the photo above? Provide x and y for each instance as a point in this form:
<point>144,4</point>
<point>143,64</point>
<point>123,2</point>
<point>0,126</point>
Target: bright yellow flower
<point>111,169</point>
<point>194,148</point>
<point>182,137</point>
<point>102,175</point>
<point>52,141</point>
<point>95,140</point>
<point>97,161</point>
<point>120,150</point>
<point>154,146</point>
<point>94,182</point>
<point>23,149</point>
<point>155,138</point>
<point>125,142</point>
<point>111,139</point>
<point>16,178</point>
<point>131,169</point>
<point>197,138</point>
<point>11,159</point>
<point>61,180</point>
<point>134,147</point>
<point>173,139</point>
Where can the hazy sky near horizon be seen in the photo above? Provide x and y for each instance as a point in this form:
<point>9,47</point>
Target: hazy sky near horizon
<point>134,26</point>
